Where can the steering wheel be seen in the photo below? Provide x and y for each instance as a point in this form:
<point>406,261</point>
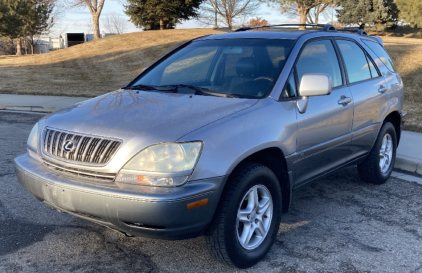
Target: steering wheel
<point>264,78</point>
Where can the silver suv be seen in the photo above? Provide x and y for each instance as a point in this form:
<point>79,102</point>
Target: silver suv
<point>213,138</point>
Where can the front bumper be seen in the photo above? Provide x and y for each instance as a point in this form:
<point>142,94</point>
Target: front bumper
<point>149,212</point>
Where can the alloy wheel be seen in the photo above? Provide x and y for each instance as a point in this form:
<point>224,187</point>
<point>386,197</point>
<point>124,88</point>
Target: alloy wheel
<point>386,153</point>
<point>254,217</point>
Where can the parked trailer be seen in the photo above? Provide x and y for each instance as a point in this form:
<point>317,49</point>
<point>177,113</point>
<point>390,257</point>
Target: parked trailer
<point>72,39</point>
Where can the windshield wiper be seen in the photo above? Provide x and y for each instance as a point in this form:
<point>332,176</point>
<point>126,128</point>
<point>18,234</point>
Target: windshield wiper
<point>198,90</point>
<point>145,87</point>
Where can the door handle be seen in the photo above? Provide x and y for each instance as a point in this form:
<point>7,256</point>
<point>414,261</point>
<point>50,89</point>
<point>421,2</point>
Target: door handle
<point>382,89</point>
<point>344,100</point>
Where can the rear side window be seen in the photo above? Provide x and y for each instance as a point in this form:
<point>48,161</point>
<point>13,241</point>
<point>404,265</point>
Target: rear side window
<point>382,54</point>
<point>356,61</point>
<point>319,57</point>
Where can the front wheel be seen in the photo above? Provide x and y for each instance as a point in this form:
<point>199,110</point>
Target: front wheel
<point>377,167</point>
<point>247,218</point>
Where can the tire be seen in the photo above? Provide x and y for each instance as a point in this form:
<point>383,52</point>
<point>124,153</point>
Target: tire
<point>224,236</point>
<point>377,167</point>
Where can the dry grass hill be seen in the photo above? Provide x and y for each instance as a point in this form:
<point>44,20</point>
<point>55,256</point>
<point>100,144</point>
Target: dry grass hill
<point>101,66</point>
<point>90,69</point>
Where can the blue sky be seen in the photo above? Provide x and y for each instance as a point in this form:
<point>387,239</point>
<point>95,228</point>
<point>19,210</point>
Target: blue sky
<point>76,20</point>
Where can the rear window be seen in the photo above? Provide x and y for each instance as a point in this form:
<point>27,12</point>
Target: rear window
<point>382,54</point>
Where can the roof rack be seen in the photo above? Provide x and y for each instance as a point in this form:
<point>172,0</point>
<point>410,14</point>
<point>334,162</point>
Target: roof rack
<point>356,30</point>
<point>325,27</point>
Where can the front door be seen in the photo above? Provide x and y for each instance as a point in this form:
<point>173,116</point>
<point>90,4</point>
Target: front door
<point>323,133</point>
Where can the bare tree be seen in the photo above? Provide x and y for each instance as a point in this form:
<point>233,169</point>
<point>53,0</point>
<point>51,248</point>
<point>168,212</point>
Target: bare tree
<point>314,14</point>
<point>95,7</point>
<point>115,23</point>
<point>228,11</point>
<point>307,10</point>
<point>89,27</point>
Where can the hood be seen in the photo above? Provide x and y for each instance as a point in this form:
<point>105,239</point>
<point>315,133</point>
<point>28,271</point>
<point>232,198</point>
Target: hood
<point>144,118</point>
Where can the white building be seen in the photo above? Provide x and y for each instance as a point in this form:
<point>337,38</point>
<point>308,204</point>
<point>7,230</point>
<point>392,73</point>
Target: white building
<point>58,43</point>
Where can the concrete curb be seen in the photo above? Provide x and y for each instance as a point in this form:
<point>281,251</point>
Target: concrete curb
<point>33,103</point>
<point>408,164</point>
<point>30,108</point>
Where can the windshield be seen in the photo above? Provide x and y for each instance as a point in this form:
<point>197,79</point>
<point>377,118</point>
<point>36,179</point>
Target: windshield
<point>246,68</point>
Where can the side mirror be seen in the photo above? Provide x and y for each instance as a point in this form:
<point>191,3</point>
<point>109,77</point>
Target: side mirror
<point>313,84</point>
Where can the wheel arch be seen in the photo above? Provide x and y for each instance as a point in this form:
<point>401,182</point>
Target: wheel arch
<point>274,159</point>
<point>395,118</point>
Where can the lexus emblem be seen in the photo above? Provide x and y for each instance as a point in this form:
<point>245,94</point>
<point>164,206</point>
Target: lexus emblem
<point>69,146</point>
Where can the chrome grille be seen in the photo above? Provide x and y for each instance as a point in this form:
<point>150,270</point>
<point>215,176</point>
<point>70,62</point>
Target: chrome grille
<point>91,150</point>
<point>106,177</point>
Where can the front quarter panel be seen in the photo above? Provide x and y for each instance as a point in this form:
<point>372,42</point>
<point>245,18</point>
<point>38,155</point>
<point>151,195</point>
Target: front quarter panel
<point>230,140</point>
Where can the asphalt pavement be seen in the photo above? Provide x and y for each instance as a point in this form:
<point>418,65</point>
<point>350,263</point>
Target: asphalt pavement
<point>338,224</point>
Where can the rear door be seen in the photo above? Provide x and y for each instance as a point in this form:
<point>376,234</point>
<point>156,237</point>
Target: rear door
<point>323,134</point>
<point>369,93</point>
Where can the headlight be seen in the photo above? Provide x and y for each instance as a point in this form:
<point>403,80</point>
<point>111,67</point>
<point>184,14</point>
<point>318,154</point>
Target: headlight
<point>33,138</point>
<point>165,165</point>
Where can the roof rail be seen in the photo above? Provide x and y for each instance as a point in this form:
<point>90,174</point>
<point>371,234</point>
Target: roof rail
<point>325,27</point>
<point>356,30</point>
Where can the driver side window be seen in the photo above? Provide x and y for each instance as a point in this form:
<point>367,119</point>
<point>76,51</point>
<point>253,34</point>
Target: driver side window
<point>319,57</point>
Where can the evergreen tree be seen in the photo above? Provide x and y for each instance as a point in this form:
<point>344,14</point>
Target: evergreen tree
<point>381,13</point>
<point>160,14</point>
<point>20,19</point>
<point>411,12</point>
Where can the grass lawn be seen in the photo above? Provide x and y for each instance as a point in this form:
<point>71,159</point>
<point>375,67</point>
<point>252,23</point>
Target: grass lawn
<point>407,55</point>
<point>105,65</point>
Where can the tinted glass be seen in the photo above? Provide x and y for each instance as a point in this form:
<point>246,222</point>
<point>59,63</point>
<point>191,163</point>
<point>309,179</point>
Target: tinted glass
<point>355,60</point>
<point>277,55</point>
<point>319,57</point>
<point>374,71</point>
<point>381,53</point>
<point>243,67</point>
<point>290,88</point>
<point>232,59</point>
<point>193,67</point>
